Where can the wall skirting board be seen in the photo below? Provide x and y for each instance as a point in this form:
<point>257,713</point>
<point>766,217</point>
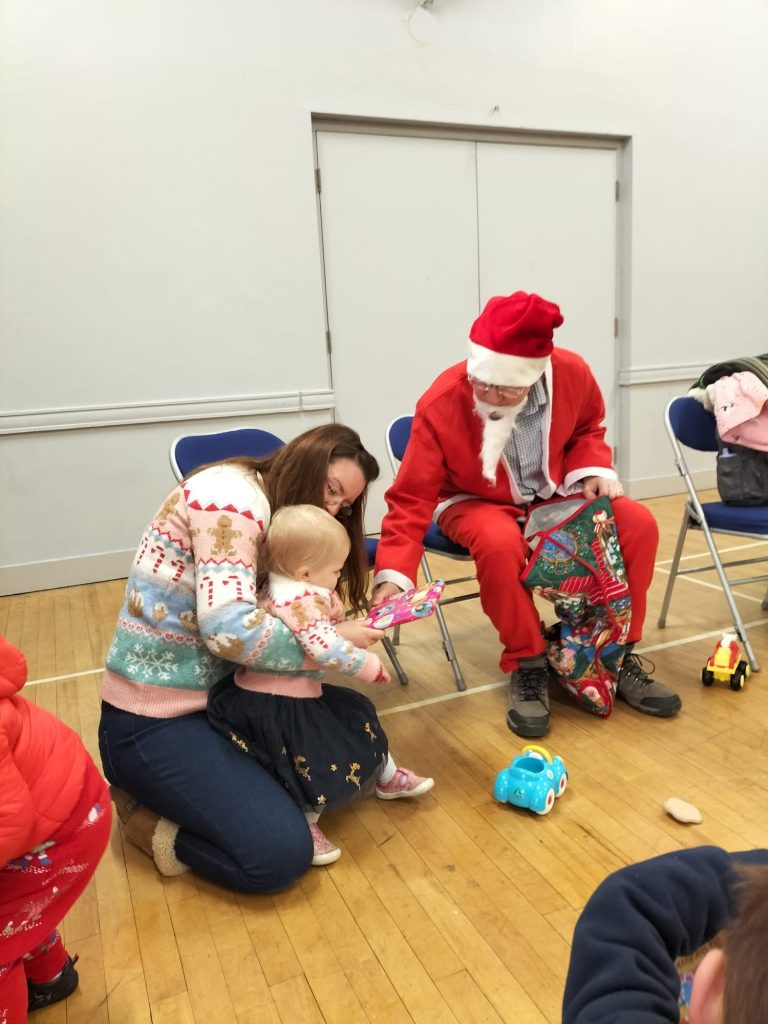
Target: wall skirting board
<point>65,572</point>
<point>661,486</point>
<point>86,417</point>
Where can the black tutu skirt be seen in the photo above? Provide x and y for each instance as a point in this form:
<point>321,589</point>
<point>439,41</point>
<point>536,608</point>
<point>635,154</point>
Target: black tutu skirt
<point>326,750</point>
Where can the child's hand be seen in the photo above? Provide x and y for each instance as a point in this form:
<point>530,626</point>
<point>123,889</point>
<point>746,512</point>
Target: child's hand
<point>382,677</point>
<point>358,633</point>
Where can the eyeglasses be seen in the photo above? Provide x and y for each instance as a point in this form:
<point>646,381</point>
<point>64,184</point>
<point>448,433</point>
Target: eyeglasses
<point>481,389</point>
<point>333,497</point>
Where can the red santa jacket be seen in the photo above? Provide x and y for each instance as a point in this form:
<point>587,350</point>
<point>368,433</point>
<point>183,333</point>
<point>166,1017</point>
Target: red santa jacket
<point>42,764</point>
<point>442,459</point>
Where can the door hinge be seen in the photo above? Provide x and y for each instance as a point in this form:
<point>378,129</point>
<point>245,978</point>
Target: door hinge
<point>328,341</point>
<point>615,327</point>
<point>616,190</point>
<point>318,185</point>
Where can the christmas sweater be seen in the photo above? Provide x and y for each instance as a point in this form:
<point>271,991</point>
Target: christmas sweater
<point>310,613</point>
<point>190,613</point>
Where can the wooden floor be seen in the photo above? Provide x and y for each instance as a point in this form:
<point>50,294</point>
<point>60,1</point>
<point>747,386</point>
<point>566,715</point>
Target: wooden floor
<point>450,908</point>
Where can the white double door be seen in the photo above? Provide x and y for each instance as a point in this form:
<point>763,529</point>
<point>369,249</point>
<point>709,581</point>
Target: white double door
<point>418,233</point>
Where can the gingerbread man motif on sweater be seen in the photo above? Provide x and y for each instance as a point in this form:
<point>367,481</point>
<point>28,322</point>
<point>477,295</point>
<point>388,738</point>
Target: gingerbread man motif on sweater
<point>190,606</point>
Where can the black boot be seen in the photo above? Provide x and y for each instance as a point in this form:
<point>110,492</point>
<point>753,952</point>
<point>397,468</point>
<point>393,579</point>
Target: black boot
<point>49,992</point>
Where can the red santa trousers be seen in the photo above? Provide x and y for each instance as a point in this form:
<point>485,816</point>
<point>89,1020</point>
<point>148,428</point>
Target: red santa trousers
<point>37,890</point>
<point>494,538</point>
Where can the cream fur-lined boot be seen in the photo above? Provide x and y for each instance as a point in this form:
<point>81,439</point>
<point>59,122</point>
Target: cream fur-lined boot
<point>153,835</point>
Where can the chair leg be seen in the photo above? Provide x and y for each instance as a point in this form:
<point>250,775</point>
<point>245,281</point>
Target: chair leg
<point>448,647</point>
<point>450,653</point>
<point>738,622</point>
<point>390,649</point>
<point>673,569</point>
<point>754,664</point>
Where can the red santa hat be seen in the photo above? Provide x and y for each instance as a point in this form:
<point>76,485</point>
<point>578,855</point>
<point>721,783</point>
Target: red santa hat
<point>511,341</point>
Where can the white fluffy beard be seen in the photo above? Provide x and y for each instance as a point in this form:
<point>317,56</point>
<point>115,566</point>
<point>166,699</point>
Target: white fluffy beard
<point>498,424</point>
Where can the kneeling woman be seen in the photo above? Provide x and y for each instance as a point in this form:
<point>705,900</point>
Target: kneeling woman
<point>186,796</point>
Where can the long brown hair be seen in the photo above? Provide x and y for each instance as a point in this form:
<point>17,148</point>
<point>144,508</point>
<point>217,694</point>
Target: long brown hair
<point>296,474</point>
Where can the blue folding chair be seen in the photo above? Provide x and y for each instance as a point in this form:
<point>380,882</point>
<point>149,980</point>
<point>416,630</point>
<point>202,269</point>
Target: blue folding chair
<point>192,450</point>
<point>435,543</point>
<point>689,423</point>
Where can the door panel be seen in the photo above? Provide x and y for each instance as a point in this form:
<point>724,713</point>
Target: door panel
<point>547,224</point>
<point>399,232</point>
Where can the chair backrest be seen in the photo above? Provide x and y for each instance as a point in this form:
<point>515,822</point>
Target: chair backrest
<point>398,435</point>
<point>692,424</point>
<point>192,450</point>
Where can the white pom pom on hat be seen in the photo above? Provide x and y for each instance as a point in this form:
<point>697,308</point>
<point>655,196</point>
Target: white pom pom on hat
<point>511,341</point>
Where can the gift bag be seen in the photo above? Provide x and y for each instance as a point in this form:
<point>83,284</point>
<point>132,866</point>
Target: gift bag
<point>576,563</point>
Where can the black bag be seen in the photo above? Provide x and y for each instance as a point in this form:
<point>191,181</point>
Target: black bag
<point>742,474</point>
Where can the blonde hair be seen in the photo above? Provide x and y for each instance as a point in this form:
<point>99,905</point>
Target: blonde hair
<point>304,535</point>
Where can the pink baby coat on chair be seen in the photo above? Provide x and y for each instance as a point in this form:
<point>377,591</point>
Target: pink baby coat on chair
<point>741,411</point>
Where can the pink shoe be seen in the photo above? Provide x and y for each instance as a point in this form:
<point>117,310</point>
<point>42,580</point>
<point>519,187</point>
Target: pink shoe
<point>324,850</point>
<point>403,783</point>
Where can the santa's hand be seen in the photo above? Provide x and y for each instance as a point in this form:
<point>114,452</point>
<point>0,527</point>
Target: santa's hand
<point>383,593</point>
<point>601,486</point>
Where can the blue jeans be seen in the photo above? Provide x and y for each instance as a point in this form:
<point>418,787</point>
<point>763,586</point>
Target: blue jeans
<point>237,825</point>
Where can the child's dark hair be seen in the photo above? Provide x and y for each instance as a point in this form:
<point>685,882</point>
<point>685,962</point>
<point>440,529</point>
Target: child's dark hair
<point>746,950</point>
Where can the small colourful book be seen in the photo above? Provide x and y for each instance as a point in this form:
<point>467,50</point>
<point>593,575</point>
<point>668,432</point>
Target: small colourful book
<point>417,603</point>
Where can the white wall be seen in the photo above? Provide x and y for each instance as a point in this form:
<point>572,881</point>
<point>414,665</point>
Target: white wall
<point>160,243</point>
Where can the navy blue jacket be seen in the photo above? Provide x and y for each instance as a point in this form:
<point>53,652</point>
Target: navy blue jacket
<point>637,922</point>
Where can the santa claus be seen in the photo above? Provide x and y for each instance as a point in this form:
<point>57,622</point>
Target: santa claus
<point>518,421</point>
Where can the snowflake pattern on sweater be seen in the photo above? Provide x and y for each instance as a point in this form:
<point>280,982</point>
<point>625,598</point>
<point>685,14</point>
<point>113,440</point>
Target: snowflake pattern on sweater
<point>190,611</point>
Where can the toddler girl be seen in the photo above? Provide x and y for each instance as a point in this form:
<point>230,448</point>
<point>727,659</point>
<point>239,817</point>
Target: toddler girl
<point>324,743</point>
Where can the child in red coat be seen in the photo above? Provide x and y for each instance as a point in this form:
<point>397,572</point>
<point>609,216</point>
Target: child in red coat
<point>54,825</point>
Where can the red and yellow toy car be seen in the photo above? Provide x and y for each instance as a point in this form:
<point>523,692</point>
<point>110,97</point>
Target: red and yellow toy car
<point>726,664</point>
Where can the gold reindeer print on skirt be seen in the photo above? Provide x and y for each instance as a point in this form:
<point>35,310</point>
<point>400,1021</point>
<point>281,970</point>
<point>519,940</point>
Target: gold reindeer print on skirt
<point>367,728</point>
<point>238,742</point>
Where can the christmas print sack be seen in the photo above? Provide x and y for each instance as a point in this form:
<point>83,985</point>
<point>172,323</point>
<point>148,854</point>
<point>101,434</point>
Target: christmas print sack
<point>576,563</point>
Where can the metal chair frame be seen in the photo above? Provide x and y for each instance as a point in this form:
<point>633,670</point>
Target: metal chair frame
<point>436,543</point>
<point>253,441</point>
<point>694,433</point>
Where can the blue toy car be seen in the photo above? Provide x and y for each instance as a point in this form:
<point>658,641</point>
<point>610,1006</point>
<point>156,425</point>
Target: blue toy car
<point>533,780</point>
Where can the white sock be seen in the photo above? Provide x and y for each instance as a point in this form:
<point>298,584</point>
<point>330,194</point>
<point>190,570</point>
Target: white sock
<point>312,817</point>
<point>388,770</point>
